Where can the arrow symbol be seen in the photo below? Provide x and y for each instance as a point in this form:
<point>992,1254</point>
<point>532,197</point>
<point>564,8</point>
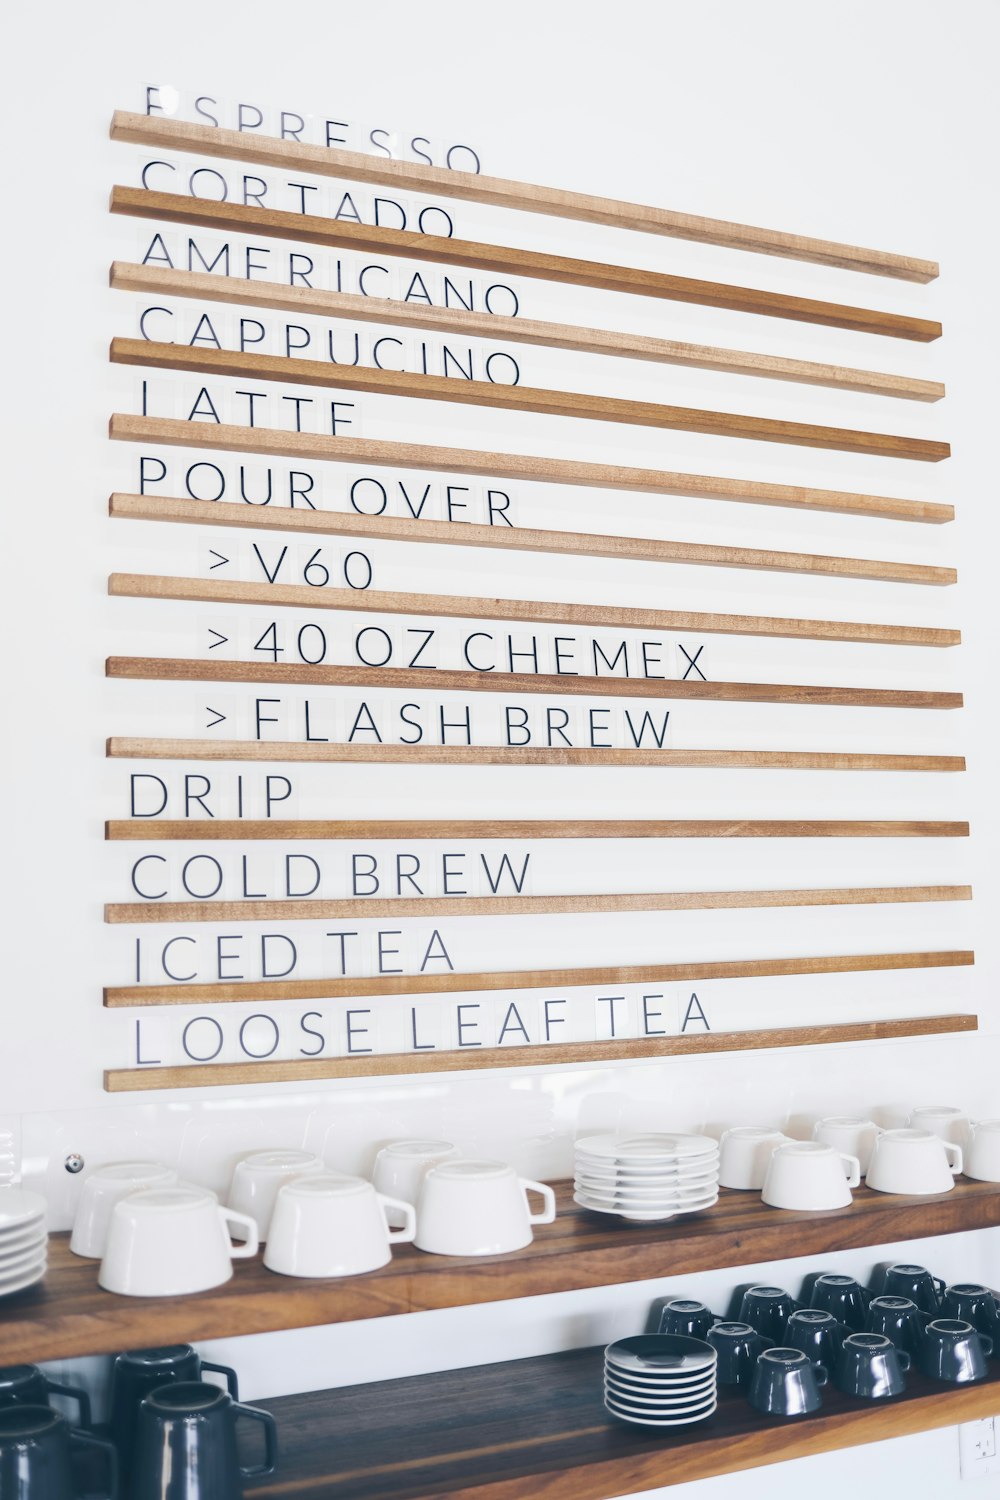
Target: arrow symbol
<point>222,560</point>
<point>217,720</point>
<point>219,641</point>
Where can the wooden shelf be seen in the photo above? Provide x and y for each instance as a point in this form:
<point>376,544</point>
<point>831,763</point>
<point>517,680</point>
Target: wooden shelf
<point>474,187</point>
<point>534,611</point>
<point>127,277</point>
<point>536,1429</point>
<point>507,260</point>
<point>326,375</point>
<point>381,453</point>
<point>443,679</point>
<point>69,1315</point>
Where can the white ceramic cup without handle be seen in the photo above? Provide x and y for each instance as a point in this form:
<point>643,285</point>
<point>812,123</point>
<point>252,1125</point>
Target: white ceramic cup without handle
<point>744,1152</point>
<point>102,1189</point>
<point>851,1133</point>
<point>478,1208</point>
<point>913,1162</point>
<point>172,1241</point>
<point>400,1168</point>
<point>810,1175</point>
<point>334,1225</point>
<point>982,1160</point>
<point>259,1176</point>
<point>946,1120</point>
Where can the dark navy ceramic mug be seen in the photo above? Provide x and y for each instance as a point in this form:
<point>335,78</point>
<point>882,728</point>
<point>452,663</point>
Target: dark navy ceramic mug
<point>870,1366</point>
<point>185,1444</point>
<point>36,1445</point>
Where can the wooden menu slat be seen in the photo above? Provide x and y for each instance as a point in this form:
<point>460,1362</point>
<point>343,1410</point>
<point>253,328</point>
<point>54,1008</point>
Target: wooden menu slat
<point>313,301</point>
<point>420,177</point>
<point>140,829</point>
<point>696,554</point>
<point>361,908</point>
<point>189,669</point>
<point>125,747</point>
<point>204,362</point>
<point>451,983</point>
<point>231,1075</point>
<point>335,234</point>
<point>335,523</point>
<point>380,453</point>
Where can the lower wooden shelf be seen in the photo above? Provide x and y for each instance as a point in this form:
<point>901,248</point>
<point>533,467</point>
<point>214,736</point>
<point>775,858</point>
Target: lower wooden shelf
<point>537,1428</point>
<point>69,1315</point>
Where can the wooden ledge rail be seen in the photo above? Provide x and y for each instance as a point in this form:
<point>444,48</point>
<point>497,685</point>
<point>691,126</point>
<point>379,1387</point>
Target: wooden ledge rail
<point>695,554</point>
<point>335,234</point>
<point>188,669</point>
<point>576,404</point>
<point>158,280</point>
<point>175,432</point>
<point>417,177</point>
<point>132,748</point>
<point>547,1055</point>
<point>373,985</point>
<point>519,906</point>
<point>335,523</point>
<point>198,830</point>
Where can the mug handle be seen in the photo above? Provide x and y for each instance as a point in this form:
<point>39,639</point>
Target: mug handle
<point>232,1383</point>
<point>905,1361</point>
<point>854,1172</point>
<point>75,1394</point>
<point>241,1252</point>
<point>548,1213</point>
<point>954,1155</point>
<point>270,1427</point>
<point>408,1233</point>
<point>822,1374</point>
<point>110,1453</point>
<point>987,1344</point>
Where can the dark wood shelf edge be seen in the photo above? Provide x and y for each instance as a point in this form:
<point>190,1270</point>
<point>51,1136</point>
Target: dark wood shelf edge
<point>68,1315</point>
<point>537,1428</point>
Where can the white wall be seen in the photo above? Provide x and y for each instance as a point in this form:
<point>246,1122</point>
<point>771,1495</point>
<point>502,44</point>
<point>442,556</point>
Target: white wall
<point>864,124</point>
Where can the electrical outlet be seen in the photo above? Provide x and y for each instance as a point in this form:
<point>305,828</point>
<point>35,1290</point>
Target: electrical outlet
<point>978,1452</point>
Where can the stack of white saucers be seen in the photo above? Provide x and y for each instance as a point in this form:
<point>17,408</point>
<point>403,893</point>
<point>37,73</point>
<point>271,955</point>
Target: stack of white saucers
<point>24,1240</point>
<point>660,1380</point>
<point>647,1176</point>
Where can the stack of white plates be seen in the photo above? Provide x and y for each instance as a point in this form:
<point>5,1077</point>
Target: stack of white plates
<point>660,1380</point>
<point>24,1240</point>
<point>650,1176</point>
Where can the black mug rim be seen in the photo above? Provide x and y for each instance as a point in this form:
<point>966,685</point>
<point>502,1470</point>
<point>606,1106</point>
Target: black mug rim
<point>187,1398</point>
<point>16,1420</point>
<point>164,1354</point>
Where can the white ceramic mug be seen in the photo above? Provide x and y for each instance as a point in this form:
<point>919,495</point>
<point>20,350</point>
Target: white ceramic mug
<point>946,1120</point>
<point>334,1225</point>
<point>744,1152</point>
<point>478,1208</point>
<point>982,1160</point>
<point>171,1241</point>
<point>400,1167</point>
<point>810,1175</point>
<point>102,1189</point>
<point>257,1178</point>
<point>913,1162</point>
<point>851,1133</point>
